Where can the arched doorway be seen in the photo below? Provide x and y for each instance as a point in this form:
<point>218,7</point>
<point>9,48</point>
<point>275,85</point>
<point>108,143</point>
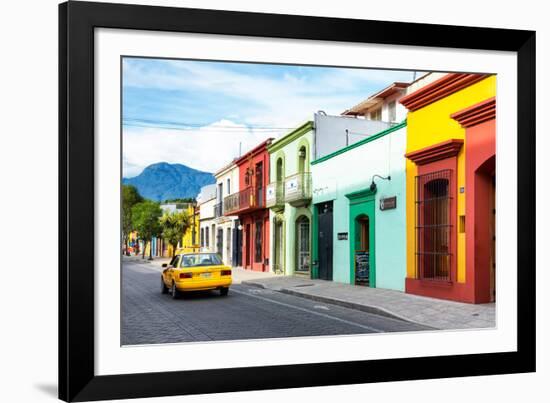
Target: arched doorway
<point>484,230</point>
<point>362,250</point>
<point>278,245</point>
<point>302,244</point>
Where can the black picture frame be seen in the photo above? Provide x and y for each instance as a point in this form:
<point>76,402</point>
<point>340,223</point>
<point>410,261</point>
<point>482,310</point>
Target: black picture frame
<point>77,21</point>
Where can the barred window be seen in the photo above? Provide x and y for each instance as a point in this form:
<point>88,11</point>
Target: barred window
<point>433,226</point>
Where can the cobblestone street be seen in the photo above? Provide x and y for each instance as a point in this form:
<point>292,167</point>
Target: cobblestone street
<point>248,312</point>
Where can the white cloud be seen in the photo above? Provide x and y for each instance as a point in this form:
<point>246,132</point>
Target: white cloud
<point>261,100</point>
<point>282,101</point>
<point>208,148</point>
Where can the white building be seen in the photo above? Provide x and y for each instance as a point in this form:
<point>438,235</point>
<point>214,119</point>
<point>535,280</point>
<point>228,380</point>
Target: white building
<point>206,200</point>
<point>227,245</point>
<point>382,106</point>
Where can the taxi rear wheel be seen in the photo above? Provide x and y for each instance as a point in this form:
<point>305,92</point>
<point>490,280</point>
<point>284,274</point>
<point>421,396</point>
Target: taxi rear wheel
<point>163,288</point>
<point>224,291</point>
<point>174,291</point>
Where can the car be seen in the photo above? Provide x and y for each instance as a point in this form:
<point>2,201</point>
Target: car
<point>195,272</point>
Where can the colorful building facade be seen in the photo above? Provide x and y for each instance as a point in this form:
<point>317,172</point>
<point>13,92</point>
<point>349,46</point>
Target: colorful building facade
<point>206,201</point>
<point>451,188</point>
<point>190,240</point>
<point>288,197</point>
<point>227,236</point>
<point>359,220</point>
<point>249,205</point>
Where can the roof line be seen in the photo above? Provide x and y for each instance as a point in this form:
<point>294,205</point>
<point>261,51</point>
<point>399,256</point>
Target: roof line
<point>360,143</point>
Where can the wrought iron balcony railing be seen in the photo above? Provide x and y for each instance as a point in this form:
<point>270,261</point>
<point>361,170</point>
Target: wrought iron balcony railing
<point>297,190</point>
<point>245,200</point>
<point>274,195</point>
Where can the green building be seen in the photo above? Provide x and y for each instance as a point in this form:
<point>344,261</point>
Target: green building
<point>358,205</point>
<point>288,196</point>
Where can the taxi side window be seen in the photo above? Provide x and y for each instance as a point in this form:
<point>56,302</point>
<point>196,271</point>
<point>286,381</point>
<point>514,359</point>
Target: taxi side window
<point>175,261</point>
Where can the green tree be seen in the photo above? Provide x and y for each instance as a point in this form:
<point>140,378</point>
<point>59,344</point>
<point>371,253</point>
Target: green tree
<point>174,226</point>
<point>146,221</point>
<point>130,197</point>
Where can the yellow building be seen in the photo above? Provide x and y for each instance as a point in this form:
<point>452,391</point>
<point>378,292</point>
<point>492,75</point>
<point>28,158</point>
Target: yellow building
<point>190,240</point>
<point>437,189</point>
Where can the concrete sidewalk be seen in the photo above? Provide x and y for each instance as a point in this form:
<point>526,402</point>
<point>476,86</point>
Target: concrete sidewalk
<point>435,313</point>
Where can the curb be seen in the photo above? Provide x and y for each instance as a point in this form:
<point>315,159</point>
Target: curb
<point>346,304</point>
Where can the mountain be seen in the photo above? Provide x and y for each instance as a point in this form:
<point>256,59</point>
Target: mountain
<point>162,181</point>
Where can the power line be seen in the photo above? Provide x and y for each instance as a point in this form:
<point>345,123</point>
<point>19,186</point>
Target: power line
<point>190,126</point>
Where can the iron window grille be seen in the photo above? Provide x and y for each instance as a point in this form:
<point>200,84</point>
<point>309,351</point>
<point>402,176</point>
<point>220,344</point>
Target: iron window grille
<point>433,226</point>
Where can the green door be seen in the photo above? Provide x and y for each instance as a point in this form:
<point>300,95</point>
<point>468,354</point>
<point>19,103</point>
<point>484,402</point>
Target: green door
<point>362,238</point>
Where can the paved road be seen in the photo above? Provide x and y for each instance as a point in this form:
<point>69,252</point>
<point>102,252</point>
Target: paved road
<point>149,317</point>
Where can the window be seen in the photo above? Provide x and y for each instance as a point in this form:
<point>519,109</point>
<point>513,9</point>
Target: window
<point>259,175</point>
<point>228,186</point>
<point>258,242</point>
<point>279,173</point>
<point>201,259</point>
<point>302,159</point>
<point>376,114</point>
<point>202,236</point>
<point>207,241</point>
<point>175,261</point>
<point>433,226</point>
<point>391,112</point>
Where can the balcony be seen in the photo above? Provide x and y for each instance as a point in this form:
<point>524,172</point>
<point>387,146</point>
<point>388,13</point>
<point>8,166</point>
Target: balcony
<point>297,190</point>
<point>245,201</point>
<point>274,196</point>
<point>218,210</point>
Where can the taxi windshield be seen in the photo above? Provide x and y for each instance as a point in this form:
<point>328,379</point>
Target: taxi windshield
<point>200,259</point>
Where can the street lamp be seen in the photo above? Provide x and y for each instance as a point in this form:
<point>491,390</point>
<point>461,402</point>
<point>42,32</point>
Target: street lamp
<point>372,186</point>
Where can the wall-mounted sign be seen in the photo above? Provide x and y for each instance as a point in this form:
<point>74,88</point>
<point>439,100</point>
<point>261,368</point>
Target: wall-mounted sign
<point>291,185</point>
<point>270,192</point>
<point>342,236</point>
<point>388,203</point>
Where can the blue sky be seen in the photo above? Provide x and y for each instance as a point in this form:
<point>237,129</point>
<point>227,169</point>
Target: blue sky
<point>197,113</point>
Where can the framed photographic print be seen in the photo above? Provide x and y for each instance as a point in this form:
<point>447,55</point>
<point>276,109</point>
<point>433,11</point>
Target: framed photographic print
<point>257,201</point>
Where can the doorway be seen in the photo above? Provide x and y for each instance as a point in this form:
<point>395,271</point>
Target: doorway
<point>219,242</point>
<point>325,239</point>
<point>302,245</point>
<point>278,258</point>
<point>362,250</point>
<point>248,246</point>
<point>237,252</point>
<point>228,246</point>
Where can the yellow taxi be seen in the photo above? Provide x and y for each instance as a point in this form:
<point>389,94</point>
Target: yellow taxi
<point>195,272</point>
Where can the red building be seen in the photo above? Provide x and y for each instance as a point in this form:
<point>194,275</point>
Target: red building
<point>249,205</point>
<point>479,123</point>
